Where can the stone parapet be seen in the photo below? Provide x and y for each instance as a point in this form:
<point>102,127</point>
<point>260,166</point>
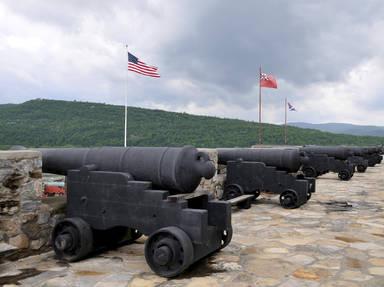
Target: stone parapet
<point>25,221</point>
<point>213,186</point>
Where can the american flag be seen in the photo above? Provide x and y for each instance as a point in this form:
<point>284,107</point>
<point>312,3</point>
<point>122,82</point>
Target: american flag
<point>137,66</point>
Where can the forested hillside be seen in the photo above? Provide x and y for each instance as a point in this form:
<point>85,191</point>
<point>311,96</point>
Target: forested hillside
<point>49,123</point>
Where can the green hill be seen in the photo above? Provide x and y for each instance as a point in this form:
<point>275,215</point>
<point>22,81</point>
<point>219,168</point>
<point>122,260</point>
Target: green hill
<point>39,123</point>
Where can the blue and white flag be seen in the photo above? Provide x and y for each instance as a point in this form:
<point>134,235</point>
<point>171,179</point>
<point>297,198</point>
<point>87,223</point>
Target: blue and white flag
<point>291,108</point>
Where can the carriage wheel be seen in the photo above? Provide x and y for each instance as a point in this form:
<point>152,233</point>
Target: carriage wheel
<point>169,251</point>
<point>72,239</point>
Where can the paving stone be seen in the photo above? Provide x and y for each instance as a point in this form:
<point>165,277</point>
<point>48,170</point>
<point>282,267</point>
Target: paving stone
<point>203,282</point>
<point>355,276</point>
<point>377,261</point>
<point>340,283</point>
<point>328,263</point>
<point>300,259</point>
<point>58,282</point>
<point>376,271</point>
<point>366,246</point>
<point>295,283</point>
<point>329,249</point>
<point>111,284</point>
<point>6,247</point>
<point>276,250</point>
<point>293,241</point>
<point>20,241</point>
<point>272,268</point>
<point>147,280</point>
<point>377,253</point>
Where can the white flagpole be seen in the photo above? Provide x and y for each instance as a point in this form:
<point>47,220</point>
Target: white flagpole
<point>125,106</point>
<point>260,126</point>
<point>285,123</point>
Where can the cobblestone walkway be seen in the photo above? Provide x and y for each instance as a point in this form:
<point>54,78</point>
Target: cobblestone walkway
<point>337,239</point>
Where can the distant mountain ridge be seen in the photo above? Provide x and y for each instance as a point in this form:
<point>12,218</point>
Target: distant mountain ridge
<point>343,128</point>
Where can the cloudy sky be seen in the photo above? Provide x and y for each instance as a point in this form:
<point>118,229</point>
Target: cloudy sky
<point>328,56</point>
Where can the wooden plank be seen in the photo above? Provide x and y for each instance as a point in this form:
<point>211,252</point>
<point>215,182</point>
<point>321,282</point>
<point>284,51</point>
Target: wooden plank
<point>241,198</point>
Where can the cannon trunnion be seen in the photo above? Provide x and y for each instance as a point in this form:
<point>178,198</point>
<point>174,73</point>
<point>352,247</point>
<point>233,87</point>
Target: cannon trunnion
<point>108,206</point>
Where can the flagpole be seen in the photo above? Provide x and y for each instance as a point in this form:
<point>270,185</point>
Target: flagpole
<point>125,103</point>
<point>260,127</point>
<point>285,126</point>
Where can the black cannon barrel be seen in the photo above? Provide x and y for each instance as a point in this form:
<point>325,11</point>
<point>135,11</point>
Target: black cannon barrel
<point>358,151</point>
<point>282,158</point>
<point>364,150</point>
<point>178,169</point>
<point>373,149</point>
<point>338,152</point>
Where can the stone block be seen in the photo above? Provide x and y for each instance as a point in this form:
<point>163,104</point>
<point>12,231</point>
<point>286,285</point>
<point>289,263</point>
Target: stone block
<point>20,241</point>
<point>44,214</point>
<point>38,243</point>
<point>30,205</point>
<point>18,155</point>
<point>31,190</point>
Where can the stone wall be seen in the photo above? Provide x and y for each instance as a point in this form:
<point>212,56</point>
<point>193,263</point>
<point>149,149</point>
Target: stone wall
<point>25,220</point>
<point>214,185</point>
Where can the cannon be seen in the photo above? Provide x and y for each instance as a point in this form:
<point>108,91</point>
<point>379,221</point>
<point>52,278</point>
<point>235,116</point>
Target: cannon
<point>373,155</point>
<point>114,195</point>
<point>338,152</point>
<point>252,171</point>
<point>344,169</point>
<point>317,165</point>
<point>361,164</point>
<point>358,157</point>
<point>337,161</point>
<point>285,159</point>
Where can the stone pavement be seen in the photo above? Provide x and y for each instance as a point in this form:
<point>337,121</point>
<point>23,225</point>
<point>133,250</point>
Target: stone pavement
<point>336,239</point>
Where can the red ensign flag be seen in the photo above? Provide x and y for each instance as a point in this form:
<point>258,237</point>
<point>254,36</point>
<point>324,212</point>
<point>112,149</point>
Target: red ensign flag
<point>268,81</point>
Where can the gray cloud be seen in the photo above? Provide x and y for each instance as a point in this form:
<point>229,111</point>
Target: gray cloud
<point>301,41</point>
<point>208,53</point>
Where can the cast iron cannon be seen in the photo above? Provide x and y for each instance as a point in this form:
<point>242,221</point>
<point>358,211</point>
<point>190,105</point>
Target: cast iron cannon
<point>176,169</point>
<point>286,159</point>
<point>373,155</point>
<point>338,152</point>
<point>358,158</point>
<point>318,164</point>
<point>337,161</point>
<point>256,170</point>
<point>116,194</point>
